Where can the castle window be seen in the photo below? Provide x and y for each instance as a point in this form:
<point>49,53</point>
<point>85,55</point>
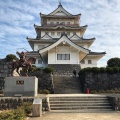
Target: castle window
<point>68,33</point>
<point>82,61</point>
<point>52,33</point>
<point>62,23</point>
<point>58,33</point>
<point>89,62</point>
<point>57,23</point>
<point>52,23</point>
<point>63,56</point>
<point>68,23</point>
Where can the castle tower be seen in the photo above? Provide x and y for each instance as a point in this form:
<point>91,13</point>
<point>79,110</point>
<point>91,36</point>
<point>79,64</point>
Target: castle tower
<point>60,40</point>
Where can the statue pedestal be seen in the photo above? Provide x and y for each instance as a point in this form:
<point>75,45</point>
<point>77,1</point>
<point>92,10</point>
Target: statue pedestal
<point>21,86</point>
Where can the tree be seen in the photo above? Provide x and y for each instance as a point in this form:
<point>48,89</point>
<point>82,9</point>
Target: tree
<point>10,57</point>
<point>113,62</point>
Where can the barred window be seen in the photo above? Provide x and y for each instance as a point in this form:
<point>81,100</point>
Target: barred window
<point>89,62</point>
<point>58,33</point>
<point>68,23</point>
<point>52,33</point>
<point>63,56</point>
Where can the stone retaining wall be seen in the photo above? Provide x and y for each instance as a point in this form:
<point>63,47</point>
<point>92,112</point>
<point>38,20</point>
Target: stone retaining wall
<point>5,71</point>
<point>45,80</point>
<point>101,81</point>
<point>13,103</point>
<point>7,103</point>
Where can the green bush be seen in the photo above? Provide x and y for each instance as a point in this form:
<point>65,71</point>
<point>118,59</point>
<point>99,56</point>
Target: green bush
<point>27,108</point>
<point>113,62</point>
<point>10,57</point>
<point>95,70</point>
<point>102,70</point>
<point>116,69</point>
<point>18,114</point>
<point>44,91</point>
<point>109,70</point>
<point>48,70</point>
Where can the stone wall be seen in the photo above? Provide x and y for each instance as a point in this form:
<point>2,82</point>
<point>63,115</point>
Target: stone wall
<point>13,103</point>
<point>101,81</point>
<point>7,103</point>
<point>5,71</point>
<point>45,80</point>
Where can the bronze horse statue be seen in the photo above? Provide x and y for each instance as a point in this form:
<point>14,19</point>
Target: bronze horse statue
<point>27,64</point>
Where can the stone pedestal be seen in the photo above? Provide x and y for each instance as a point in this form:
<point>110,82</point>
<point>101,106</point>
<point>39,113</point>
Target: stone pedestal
<point>21,86</point>
<point>37,107</point>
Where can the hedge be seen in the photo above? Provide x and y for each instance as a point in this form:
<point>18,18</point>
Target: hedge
<point>109,70</point>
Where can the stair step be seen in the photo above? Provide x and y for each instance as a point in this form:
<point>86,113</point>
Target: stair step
<point>80,107</point>
<point>76,102</point>
<point>82,111</point>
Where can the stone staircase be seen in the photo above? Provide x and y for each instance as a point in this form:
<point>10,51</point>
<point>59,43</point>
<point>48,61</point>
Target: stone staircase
<point>66,85</point>
<point>63,80</point>
<point>79,103</point>
<point>64,69</point>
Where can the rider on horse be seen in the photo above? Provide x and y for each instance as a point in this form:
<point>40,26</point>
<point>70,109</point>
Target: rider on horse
<point>22,60</point>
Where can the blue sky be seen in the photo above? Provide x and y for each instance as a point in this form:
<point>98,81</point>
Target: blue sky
<point>17,18</point>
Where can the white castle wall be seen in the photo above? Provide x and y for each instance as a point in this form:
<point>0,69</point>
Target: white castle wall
<point>94,63</point>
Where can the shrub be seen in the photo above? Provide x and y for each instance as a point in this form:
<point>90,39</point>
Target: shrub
<point>48,70</point>
<point>116,69</point>
<point>44,91</point>
<point>95,70</point>
<point>27,108</point>
<point>102,70</point>
<point>113,62</point>
<point>109,70</point>
<point>18,114</point>
<point>10,57</point>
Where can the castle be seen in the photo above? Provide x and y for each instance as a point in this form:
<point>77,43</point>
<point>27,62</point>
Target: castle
<point>60,40</point>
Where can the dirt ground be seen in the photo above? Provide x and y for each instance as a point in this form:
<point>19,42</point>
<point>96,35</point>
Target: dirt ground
<point>78,116</point>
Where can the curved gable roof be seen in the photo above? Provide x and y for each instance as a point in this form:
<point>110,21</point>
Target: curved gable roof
<point>65,39</point>
<point>59,11</point>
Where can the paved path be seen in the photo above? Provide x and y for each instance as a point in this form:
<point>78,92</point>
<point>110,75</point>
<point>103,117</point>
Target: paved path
<point>79,116</point>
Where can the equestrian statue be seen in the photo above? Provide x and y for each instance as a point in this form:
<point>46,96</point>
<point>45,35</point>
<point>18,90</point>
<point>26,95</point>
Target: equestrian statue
<point>22,63</point>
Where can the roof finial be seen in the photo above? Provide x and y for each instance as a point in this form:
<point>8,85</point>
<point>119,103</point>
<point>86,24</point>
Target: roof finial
<point>59,2</point>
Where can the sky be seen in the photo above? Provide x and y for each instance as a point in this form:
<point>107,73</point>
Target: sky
<point>17,19</point>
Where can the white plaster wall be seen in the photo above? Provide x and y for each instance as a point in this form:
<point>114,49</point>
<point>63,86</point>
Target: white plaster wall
<point>60,20</point>
<point>74,58</point>
<point>42,33</point>
<point>52,56</point>
<point>94,63</point>
<point>37,44</point>
<point>55,34</point>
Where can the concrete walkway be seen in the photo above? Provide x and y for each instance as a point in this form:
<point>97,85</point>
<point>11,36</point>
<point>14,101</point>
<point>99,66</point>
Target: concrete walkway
<point>78,116</point>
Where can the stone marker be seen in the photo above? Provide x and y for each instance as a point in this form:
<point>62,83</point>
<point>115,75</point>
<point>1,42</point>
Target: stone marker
<point>21,86</point>
<point>37,107</point>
